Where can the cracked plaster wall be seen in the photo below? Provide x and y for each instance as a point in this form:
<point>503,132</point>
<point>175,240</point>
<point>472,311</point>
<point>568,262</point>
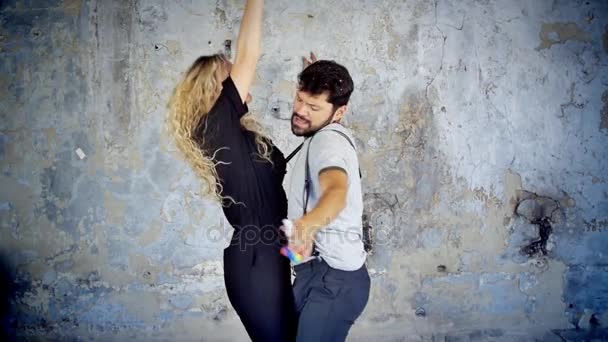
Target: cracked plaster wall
<point>473,119</point>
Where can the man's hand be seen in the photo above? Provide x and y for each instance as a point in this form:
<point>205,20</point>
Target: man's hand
<point>301,241</point>
<point>306,62</point>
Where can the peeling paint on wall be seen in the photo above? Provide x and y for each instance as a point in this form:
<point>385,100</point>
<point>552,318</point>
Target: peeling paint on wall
<point>559,33</point>
<point>72,7</point>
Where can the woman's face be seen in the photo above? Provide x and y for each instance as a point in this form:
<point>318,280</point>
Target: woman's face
<point>222,73</point>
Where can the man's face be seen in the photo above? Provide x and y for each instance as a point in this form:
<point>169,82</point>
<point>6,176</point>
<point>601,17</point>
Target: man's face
<point>310,113</point>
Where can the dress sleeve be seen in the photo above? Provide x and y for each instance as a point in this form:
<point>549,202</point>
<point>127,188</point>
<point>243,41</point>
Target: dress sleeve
<point>222,125</point>
<point>231,94</point>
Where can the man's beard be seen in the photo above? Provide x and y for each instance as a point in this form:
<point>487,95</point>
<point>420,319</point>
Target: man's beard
<point>305,132</point>
<point>310,131</point>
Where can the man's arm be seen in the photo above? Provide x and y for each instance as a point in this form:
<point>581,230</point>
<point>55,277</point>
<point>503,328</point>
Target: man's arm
<point>248,48</point>
<point>333,182</point>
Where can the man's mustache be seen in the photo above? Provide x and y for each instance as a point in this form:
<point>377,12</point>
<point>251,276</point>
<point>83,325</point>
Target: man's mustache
<point>299,117</point>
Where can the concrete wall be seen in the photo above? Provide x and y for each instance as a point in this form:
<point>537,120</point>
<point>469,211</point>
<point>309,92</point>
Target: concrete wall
<point>483,134</point>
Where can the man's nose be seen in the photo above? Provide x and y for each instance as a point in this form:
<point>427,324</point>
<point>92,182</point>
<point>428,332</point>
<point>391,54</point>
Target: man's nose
<point>300,109</point>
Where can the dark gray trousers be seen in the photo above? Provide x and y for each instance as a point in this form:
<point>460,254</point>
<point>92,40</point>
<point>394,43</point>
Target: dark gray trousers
<point>328,301</point>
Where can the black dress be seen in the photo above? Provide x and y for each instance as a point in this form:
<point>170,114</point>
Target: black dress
<point>257,276</point>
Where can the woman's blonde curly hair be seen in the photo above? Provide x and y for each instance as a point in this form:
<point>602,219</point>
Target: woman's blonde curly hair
<point>192,99</point>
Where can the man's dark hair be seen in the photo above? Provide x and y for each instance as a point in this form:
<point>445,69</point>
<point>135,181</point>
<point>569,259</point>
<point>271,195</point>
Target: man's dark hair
<point>327,76</point>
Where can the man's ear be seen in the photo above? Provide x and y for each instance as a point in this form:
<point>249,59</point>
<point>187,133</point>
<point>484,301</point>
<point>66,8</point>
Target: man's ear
<point>340,113</point>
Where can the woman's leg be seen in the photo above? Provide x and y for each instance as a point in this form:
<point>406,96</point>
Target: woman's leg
<point>259,288</point>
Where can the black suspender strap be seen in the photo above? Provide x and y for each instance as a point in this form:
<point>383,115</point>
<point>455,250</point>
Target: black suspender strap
<point>293,153</point>
<point>307,181</point>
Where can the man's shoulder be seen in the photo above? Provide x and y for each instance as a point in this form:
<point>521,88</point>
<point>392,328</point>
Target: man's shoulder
<point>337,133</point>
<point>333,141</point>
<point>337,127</point>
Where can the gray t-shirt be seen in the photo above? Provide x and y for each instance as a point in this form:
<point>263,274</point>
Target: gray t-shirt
<point>340,242</point>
